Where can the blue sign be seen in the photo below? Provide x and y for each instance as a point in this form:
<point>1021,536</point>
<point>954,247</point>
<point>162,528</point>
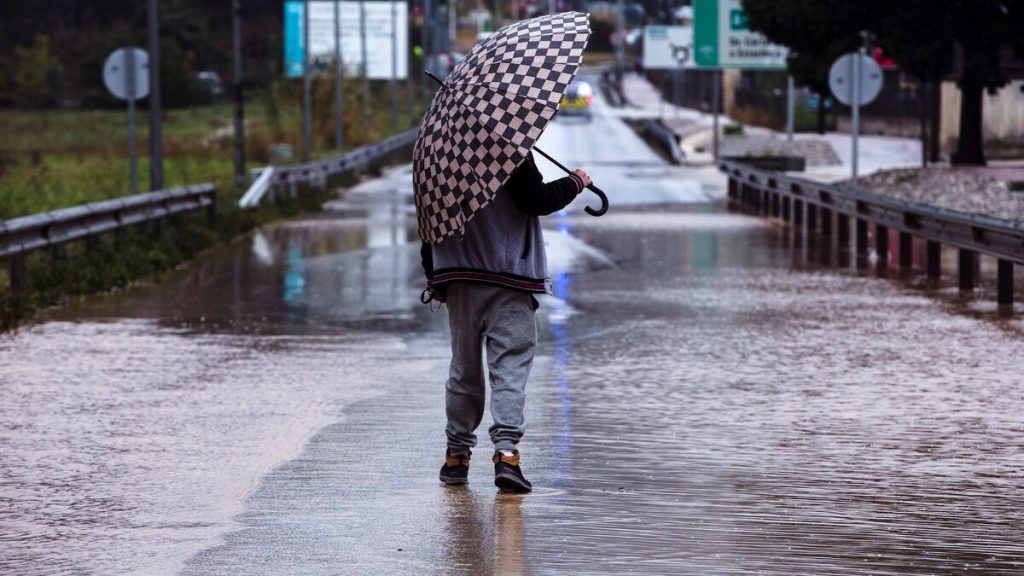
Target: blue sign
<point>294,50</point>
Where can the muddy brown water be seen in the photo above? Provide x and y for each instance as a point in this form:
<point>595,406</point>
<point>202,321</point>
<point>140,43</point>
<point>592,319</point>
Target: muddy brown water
<point>715,403</point>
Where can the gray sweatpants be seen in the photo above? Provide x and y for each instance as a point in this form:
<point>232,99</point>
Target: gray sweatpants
<point>501,319</point>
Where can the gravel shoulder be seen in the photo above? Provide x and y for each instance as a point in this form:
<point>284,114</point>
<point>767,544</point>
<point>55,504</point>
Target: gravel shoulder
<point>978,191</point>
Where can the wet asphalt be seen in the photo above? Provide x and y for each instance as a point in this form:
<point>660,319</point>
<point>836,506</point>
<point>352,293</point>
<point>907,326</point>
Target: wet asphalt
<point>712,395</point>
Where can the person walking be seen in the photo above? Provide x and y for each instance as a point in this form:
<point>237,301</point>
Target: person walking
<point>487,277</point>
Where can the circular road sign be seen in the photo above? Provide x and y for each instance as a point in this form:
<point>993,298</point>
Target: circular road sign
<point>840,78</point>
<point>116,74</point>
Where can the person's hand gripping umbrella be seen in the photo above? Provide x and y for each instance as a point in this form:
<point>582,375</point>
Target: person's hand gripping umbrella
<point>488,114</point>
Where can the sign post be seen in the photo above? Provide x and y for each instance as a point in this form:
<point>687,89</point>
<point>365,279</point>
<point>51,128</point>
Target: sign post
<point>855,80</point>
<point>126,76</point>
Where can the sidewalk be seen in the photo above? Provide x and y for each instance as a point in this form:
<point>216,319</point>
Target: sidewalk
<point>694,129</point>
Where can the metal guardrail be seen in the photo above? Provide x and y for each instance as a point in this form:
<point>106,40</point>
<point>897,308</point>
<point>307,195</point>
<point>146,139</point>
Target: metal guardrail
<point>28,233</point>
<point>318,171</point>
<point>802,201</point>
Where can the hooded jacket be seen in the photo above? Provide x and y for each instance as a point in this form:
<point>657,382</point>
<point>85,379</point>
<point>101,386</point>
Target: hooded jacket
<point>503,244</point>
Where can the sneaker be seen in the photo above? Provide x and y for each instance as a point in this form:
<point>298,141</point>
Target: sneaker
<point>507,475</point>
<point>455,469</point>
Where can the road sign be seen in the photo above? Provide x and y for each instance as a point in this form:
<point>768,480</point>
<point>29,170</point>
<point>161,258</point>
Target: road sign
<point>322,37</point>
<point>840,78</point>
<point>722,38</point>
<point>126,73</point>
<point>668,47</point>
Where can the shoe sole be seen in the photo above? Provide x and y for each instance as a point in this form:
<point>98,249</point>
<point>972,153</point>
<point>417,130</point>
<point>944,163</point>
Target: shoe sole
<point>453,481</point>
<point>511,483</point>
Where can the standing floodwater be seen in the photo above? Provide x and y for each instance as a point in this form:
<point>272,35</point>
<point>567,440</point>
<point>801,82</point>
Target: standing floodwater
<point>703,403</point>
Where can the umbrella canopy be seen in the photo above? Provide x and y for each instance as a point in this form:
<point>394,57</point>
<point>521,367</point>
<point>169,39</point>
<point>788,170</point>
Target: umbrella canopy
<point>490,111</point>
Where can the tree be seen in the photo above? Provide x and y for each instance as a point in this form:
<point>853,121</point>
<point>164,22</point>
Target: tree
<point>36,72</point>
<point>932,39</point>
<point>966,41</point>
<point>816,32</point>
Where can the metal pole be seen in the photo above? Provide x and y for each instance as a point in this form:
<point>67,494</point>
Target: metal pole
<point>366,66</point>
<point>236,10</point>
<point>620,28</point>
<point>790,105</point>
<point>675,91</point>
<point>129,85</point>
<point>410,60</point>
<point>339,106</point>
<point>855,103</point>
<point>307,141</point>
<point>428,37</point>
<point>156,160</point>
<point>716,95</point>
<point>394,66</point>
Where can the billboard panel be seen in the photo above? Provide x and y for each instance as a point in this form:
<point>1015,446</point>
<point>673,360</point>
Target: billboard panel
<point>321,37</point>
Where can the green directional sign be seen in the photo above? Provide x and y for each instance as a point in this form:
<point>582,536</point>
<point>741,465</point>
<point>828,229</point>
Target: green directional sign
<point>722,38</point>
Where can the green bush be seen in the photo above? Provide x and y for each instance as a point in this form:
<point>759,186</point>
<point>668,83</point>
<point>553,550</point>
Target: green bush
<point>733,130</point>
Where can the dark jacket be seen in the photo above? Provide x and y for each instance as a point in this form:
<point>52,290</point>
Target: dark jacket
<point>502,243</point>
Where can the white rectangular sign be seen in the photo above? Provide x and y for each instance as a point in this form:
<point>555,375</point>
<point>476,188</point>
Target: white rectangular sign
<point>379,29</point>
<point>668,47</point>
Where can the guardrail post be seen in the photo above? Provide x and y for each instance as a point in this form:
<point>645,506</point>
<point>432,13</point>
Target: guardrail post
<point>798,212</point>
<point>17,278</point>
<point>776,205</point>
<point>826,223</point>
<point>733,189</point>
<point>906,251</point>
<point>862,236</point>
<point>812,217</point>
<point>882,245</point>
<point>843,230</point>
<point>968,265</point>
<point>1005,282</point>
<point>934,266</point>
<point>211,210</point>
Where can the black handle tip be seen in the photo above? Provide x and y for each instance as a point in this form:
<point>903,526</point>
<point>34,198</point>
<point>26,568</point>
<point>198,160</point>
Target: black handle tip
<point>604,202</point>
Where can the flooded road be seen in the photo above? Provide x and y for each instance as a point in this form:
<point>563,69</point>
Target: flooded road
<point>706,400</point>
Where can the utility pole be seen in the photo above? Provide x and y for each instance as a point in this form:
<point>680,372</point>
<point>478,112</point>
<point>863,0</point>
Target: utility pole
<point>394,65</point>
<point>156,160</point>
<point>307,141</point>
<point>410,59</point>
<point>366,64</point>
<point>236,29</point>
<point>339,106</point>
<point>428,48</point>
<point>620,28</point>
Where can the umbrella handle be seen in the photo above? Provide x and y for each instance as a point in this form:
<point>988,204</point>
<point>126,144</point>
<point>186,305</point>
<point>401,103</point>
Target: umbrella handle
<point>604,202</point>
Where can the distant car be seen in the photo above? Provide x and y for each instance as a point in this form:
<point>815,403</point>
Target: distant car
<point>211,81</point>
<point>577,100</point>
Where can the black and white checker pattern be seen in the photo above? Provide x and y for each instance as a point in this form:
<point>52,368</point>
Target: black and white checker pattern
<point>494,106</point>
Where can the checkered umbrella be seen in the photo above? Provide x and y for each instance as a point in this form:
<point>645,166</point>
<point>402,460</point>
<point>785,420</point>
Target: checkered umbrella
<point>487,116</point>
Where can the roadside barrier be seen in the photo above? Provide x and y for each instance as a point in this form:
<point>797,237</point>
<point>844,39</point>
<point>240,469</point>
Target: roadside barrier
<point>317,172</point>
<point>87,221</point>
<point>813,206</point>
